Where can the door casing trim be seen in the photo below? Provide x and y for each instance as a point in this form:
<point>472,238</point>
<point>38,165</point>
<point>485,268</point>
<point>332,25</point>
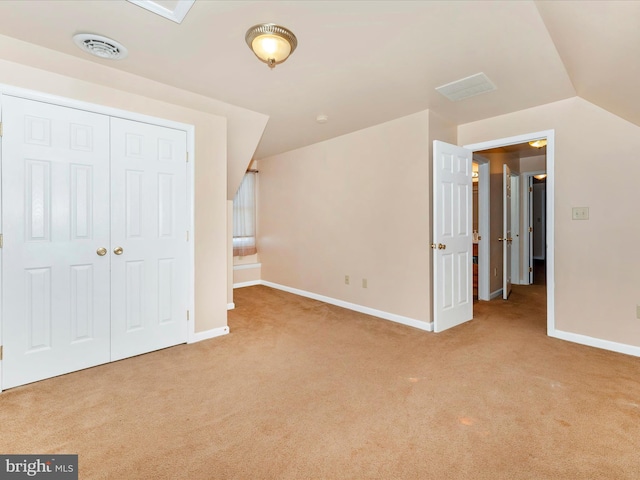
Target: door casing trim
<point>550,262</point>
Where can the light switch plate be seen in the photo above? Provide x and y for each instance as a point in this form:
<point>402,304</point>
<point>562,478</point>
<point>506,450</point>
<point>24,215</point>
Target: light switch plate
<point>580,213</point>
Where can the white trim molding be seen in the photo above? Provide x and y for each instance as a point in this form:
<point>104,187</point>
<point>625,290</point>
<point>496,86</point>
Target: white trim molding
<point>596,342</point>
<point>176,14</point>
<point>411,322</point>
<point>496,294</point>
<point>248,284</point>
<point>247,266</point>
<point>207,334</point>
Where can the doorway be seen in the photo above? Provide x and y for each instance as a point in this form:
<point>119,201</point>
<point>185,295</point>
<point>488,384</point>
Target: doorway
<point>539,225</point>
<point>527,275</point>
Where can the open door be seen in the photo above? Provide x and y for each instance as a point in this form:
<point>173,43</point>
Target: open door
<point>506,232</point>
<point>516,263</point>
<point>530,228</point>
<point>452,237</point>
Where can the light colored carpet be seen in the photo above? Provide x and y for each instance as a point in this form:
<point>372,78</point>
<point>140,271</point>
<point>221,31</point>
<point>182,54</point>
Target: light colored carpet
<point>304,390</point>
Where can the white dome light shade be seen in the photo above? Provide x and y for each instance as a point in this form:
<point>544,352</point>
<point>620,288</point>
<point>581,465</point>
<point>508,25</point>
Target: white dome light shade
<point>538,143</point>
<point>271,43</point>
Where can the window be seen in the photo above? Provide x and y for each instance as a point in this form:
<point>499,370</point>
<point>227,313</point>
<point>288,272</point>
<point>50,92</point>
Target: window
<point>244,217</point>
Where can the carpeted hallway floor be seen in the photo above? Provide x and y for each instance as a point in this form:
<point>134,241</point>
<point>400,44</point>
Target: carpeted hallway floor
<point>304,390</point>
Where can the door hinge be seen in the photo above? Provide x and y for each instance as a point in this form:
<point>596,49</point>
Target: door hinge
<point>0,352</point>
<point>187,235</point>
<point>1,240</point>
<point>531,189</point>
<point>530,229</point>
<point>530,269</point>
<point>0,129</point>
<point>187,315</point>
<point>187,157</point>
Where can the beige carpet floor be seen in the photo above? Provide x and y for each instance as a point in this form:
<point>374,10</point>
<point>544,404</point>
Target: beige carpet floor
<point>304,390</point>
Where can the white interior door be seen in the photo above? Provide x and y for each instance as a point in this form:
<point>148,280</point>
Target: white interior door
<point>515,229</point>
<point>452,236</point>
<point>55,197</point>
<point>506,232</point>
<point>149,280</point>
<point>530,228</point>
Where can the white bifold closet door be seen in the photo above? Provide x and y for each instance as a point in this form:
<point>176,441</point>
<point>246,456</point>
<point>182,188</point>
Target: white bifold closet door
<point>75,186</point>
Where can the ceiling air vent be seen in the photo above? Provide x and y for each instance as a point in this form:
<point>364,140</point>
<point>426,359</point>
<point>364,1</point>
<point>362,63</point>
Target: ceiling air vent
<point>99,46</point>
<point>467,87</point>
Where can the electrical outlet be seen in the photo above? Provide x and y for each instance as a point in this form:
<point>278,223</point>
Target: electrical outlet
<point>346,279</point>
<point>580,213</point>
<point>364,283</point>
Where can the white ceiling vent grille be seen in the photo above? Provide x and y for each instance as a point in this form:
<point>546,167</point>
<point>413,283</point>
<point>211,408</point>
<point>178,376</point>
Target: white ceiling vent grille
<point>467,87</point>
<point>99,46</point>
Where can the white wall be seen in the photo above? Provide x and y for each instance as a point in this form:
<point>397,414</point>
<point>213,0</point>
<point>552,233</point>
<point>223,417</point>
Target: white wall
<point>356,205</point>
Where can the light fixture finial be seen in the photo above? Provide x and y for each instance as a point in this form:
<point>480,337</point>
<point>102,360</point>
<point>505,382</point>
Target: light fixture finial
<point>271,43</point>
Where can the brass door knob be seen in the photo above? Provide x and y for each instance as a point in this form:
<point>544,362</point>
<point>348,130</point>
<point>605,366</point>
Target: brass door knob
<point>500,239</point>
<point>441,246</point>
<point>433,245</point>
<point>118,250</point>
<point>101,251</point>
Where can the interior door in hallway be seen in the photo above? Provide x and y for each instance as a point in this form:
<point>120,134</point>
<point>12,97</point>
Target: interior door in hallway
<point>55,278</point>
<point>506,231</point>
<point>149,278</point>
<point>452,237</point>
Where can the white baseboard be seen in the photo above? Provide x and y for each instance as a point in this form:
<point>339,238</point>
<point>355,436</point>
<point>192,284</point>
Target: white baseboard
<point>496,294</point>
<point>247,284</point>
<point>411,322</point>
<point>231,306</point>
<point>596,342</point>
<point>207,334</point>
<point>428,326</point>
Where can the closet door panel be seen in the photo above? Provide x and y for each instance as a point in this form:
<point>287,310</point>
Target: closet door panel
<point>149,281</point>
<point>55,197</point>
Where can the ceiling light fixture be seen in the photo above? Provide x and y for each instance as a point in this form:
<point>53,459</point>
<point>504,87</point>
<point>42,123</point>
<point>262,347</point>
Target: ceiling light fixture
<point>271,43</point>
<point>542,176</point>
<point>539,143</point>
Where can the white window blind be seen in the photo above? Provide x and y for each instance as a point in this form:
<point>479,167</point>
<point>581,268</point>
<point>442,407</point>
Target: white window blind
<point>244,217</point>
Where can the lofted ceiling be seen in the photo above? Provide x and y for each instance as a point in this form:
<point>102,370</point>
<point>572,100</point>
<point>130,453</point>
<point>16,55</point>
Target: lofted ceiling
<point>360,62</point>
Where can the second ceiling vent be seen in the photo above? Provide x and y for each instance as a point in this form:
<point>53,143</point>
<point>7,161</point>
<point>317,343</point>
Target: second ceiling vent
<point>467,87</point>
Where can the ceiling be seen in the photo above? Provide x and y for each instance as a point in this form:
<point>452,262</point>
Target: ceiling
<point>521,150</point>
<point>360,62</point>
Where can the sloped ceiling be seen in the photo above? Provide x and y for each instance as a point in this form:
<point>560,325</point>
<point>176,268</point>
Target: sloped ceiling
<point>362,62</point>
<point>599,44</point>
